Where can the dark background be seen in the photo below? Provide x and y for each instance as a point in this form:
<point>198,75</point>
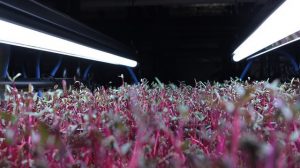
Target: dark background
<point>174,40</point>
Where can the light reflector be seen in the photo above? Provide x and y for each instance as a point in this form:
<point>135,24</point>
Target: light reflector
<point>17,35</point>
<point>280,24</point>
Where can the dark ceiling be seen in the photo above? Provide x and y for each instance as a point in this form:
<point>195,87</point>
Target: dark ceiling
<point>175,40</point>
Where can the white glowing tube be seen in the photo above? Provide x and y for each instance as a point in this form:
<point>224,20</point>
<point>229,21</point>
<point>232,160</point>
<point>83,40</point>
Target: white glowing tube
<point>25,37</point>
<point>282,23</point>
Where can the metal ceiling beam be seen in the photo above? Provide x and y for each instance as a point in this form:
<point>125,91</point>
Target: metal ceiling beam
<point>94,4</point>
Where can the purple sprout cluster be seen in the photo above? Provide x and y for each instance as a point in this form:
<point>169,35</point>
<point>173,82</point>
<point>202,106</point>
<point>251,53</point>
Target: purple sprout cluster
<point>229,124</point>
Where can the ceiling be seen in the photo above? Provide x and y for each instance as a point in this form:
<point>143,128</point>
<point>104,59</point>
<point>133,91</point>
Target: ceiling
<point>174,40</point>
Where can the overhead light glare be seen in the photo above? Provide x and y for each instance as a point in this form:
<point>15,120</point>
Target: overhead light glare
<point>280,24</point>
<point>17,35</point>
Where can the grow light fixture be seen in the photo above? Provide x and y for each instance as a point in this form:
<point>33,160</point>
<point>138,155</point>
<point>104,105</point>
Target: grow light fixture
<point>279,25</point>
<point>18,35</point>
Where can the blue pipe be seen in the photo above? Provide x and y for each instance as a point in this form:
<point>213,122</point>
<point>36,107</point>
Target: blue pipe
<point>86,72</point>
<point>246,69</point>
<point>55,69</point>
<point>7,53</point>
<point>133,76</point>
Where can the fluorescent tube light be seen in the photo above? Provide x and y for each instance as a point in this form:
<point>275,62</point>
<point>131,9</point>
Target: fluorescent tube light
<point>282,23</point>
<point>17,35</point>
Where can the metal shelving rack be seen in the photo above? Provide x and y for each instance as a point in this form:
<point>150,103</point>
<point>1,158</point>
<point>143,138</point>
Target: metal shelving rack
<point>34,15</point>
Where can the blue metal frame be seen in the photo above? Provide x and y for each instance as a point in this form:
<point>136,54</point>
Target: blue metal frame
<point>38,72</point>
<point>57,66</point>
<point>55,69</point>
<point>38,67</point>
<point>78,71</point>
<point>86,72</point>
<point>281,52</point>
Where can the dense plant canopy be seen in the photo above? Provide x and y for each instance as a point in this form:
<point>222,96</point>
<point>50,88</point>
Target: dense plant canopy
<point>230,124</point>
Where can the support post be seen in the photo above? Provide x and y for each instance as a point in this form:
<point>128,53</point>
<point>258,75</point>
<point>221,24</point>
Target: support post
<point>55,69</point>
<point>133,76</point>
<point>246,69</point>
<point>5,52</point>
<point>38,72</point>
<point>86,72</point>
